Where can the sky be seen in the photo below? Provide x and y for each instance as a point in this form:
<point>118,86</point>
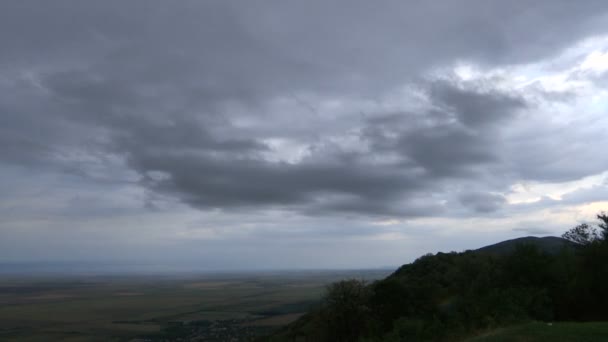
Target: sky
<point>296,134</point>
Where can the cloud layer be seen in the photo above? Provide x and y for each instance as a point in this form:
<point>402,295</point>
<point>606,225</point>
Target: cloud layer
<point>337,119</point>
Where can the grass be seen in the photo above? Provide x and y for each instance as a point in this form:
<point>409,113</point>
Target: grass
<point>555,332</point>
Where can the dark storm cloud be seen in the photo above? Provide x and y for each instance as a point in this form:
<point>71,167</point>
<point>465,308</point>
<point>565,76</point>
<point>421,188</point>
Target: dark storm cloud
<point>207,162</point>
<point>317,46</point>
<point>453,138</point>
<point>482,202</point>
<point>475,107</point>
<point>210,171</point>
<point>232,173</point>
<point>184,93</point>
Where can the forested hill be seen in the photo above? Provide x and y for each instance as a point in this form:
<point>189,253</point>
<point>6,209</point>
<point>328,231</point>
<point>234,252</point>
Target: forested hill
<point>551,245</point>
<point>452,296</point>
<point>548,244</point>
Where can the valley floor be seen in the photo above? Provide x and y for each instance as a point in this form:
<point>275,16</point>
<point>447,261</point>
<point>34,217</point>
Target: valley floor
<point>121,308</point>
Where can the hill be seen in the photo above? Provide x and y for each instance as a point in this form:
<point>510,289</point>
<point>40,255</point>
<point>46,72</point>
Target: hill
<point>547,244</point>
<point>453,296</point>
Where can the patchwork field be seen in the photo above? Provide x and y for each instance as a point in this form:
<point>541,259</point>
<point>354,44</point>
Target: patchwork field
<point>122,308</point>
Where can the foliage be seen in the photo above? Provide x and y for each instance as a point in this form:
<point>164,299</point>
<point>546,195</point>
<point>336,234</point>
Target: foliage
<point>603,225</point>
<point>345,310</point>
<point>583,234</point>
<point>448,296</point>
<point>554,332</point>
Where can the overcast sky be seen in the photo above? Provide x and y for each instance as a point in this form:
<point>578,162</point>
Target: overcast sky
<point>296,134</point>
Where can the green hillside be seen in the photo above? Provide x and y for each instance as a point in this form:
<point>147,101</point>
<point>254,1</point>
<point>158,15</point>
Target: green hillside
<point>453,296</point>
<point>554,332</point>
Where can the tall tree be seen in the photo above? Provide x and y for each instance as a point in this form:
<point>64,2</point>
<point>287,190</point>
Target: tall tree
<point>583,234</point>
<point>603,218</point>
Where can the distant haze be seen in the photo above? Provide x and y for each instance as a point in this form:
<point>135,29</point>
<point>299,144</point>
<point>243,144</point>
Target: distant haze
<point>283,134</point>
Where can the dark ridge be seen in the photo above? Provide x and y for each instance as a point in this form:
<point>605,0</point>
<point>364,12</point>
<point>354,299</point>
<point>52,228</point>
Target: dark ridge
<point>547,244</point>
<point>453,296</point>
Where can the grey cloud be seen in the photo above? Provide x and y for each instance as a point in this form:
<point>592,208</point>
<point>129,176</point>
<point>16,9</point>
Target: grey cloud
<point>482,202</point>
<point>537,91</point>
<point>454,138</point>
<point>205,181</point>
<point>559,152</point>
<point>158,86</point>
<point>315,46</point>
<point>210,173</point>
<point>476,107</point>
<point>447,150</point>
<point>534,231</point>
<point>284,128</point>
<point>595,193</point>
<point>211,163</point>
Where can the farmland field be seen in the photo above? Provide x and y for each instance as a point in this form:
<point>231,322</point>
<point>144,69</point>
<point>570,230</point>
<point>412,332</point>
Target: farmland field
<point>122,308</point>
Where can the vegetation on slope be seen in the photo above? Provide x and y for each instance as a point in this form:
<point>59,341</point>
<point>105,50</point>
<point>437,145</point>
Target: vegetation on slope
<point>547,244</point>
<point>554,332</point>
<point>449,296</point>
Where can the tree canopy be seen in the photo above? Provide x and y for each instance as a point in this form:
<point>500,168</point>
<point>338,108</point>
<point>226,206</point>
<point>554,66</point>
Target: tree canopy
<point>447,296</point>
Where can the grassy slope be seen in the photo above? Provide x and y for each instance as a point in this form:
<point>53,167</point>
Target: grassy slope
<point>557,332</point>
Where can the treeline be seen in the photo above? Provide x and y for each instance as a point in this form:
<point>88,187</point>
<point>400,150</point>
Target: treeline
<point>448,296</point>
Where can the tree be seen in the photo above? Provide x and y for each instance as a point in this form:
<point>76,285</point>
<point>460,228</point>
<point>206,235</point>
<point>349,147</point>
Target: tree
<point>603,217</point>
<point>583,234</point>
<point>346,311</point>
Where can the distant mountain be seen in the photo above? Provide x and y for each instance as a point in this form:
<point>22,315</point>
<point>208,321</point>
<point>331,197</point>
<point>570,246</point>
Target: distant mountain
<point>548,244</point>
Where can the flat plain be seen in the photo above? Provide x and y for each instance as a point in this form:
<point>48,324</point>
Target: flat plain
<point>157,307</point>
